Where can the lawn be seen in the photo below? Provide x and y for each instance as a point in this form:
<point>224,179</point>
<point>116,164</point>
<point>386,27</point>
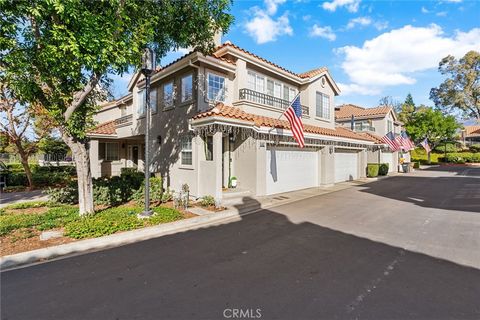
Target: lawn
<point>21,224</point>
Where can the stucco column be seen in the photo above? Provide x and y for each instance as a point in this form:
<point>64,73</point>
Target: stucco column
<point>362,163</point>
<point>217,159</point>
<point>241,79</point>
<point>95,165</point>
<point>261,183</point>
<point>328,166</point>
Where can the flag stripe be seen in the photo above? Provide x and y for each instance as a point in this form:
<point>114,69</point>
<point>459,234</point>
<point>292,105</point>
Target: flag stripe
<point>293,115</point>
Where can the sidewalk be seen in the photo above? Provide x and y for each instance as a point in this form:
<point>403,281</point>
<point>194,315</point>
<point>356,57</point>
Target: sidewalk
<point>7,198</point>
<point>236,208</point>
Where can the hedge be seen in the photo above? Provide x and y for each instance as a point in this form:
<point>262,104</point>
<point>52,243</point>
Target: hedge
<point>383,169</point>
<point>42,176</point>
<point>463,157</point>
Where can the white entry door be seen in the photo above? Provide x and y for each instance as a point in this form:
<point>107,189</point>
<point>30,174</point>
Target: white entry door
<point>290,169</point>
<point>346,166</point>
<point>388,157</point>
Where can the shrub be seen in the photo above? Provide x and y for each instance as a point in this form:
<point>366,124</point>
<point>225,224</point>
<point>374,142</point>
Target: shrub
<point>163,215</point>
<point>207,201</point>
<point>474,148</point>
<point>167,196</point>
<point>451,147</point>
<point>463,157</point>
<point>372,170</point>
<point>156,192</point>
<point>416,165</point>
<point>67,194</point>
<point>383,169</point>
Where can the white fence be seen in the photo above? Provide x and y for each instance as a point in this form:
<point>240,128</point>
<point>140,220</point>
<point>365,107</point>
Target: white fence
<point>41,159</point>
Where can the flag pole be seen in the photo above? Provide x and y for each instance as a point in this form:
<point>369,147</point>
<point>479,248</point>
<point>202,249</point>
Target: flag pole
<point>296,96</point>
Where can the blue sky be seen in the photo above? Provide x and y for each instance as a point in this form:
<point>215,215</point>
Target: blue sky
<point>372,48</point>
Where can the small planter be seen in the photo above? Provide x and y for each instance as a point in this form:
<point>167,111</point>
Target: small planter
<point>233,182</point>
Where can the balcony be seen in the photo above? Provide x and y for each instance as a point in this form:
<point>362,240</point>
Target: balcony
<point>258,97</point>
<point>124,121</point>
<point>364,127</point>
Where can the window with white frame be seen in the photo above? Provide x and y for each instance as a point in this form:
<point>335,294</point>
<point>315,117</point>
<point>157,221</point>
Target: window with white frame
<point>168,94</point>
<point>109,151</point>
<point>141,103</point>
<point>209,148</point>
<point>187,88</point>
<point>269,86</point>
<point>216,87</point>
<point>322,105</point>
<point>186,151</point>
<point>153,99</point>
<point>389,126</point>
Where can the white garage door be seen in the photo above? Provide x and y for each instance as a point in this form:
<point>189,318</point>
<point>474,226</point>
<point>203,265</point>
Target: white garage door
<point>346,166</point>
<point>388,157</point>
<point>290,169</point>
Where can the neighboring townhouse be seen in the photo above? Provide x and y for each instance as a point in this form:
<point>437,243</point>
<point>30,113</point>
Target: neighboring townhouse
<point>374,123</point>
<point>219,116</point>
<point>471,135</point>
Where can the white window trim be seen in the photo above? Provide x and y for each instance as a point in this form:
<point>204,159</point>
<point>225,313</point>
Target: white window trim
<point>275,82</point>
<point>172,104</point>
<point>225,87</point>
<point>105,152</point>
<point>182,165</point>
<point>141,109</point>
<point>181,88</point>
<point>322,116</point>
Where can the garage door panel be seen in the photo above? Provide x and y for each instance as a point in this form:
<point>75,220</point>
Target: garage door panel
<point>388,157</point>
<point>346,166</point>
<point>290,169</point>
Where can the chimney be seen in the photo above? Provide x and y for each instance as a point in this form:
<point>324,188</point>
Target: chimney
<point>217,38</point>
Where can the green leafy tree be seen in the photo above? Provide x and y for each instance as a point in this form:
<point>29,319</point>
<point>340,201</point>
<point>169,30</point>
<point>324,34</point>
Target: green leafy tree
<point>406,109</point>
<point>59,54</point>
<point>433,125</point>
<point>461,90</point>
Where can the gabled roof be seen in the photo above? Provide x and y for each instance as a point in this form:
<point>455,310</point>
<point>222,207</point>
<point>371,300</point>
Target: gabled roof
<point>105,128</point>
<point>373,136</point>
<point>345,112</point>
<point>229,112</point>
<point>471,131</point>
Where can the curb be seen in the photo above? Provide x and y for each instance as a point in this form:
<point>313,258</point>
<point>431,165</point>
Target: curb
<point>119,239</point>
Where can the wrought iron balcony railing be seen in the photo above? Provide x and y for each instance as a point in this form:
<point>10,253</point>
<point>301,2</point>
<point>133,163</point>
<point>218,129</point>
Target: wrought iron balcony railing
<point>361,127</point>
<point>123,121</point>
<point>262,98</point>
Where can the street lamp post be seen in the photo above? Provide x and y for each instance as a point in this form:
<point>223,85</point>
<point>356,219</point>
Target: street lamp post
<point>148,66</point>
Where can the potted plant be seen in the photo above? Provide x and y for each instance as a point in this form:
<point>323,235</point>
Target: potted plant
<point>233,182</point>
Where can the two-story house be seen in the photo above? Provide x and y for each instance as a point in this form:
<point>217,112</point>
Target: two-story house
<point>471,135</point>
<point>219,116</point>
<point>374,123</point>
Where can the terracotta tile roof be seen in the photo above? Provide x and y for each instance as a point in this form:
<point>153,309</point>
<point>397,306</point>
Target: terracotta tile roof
<point>347,110</point>
<point>313,73</point>
<point>107,128</point>
<point>472,131</point>
<point>307,74</point>
<point>373,136</point>
<point>222,110</point>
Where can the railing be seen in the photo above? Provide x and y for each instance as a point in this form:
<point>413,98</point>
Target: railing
<point>124,120</point>
<point>364,128</point>
<point>258,97</point>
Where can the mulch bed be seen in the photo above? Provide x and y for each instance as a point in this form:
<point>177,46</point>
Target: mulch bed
<point>22,240</point>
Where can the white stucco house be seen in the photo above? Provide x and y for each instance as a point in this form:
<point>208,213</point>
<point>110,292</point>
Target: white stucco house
<point>218,116</point>
<point>374,123</point>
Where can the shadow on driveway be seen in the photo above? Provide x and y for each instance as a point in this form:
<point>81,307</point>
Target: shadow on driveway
<point>264,261</point>
<point>459,191</point>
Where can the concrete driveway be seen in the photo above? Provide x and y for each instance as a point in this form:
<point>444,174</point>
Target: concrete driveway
<point>401,248</point>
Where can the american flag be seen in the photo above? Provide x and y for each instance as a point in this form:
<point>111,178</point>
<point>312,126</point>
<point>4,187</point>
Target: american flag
<point>294,117</point>
<point>425,145</point>
<point>407,143</point>
<point>392,142</point>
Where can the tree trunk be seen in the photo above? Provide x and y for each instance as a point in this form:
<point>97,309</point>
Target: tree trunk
<point>428,158</point>
<point>25,164</point>
<point>84,174</point>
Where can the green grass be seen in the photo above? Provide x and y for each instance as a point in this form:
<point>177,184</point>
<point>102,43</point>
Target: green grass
<point>32,204</point>
<point>102,223</point>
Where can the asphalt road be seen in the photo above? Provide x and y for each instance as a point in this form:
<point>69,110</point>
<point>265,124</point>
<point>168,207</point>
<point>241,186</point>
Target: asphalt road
<point>401,248</point>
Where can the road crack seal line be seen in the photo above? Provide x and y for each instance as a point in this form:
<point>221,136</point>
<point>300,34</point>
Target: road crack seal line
<point>375,283</point>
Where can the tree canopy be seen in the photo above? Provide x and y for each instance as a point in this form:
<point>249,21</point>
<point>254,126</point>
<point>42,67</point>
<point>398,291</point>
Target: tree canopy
<point>431,124</point>
<point>461,90</point>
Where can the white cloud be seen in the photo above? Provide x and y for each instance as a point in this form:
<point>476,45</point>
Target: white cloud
<point>351,5</point>
<point>263,28</point>
<point>393,57</point>
<point>425,10</point>
<point>381,25</point>
<point>453,1</point>
<point>362,21</point>
<point>441,14</point>
<point>352,88</point>
<point>323,32</point>
<point>272,6</point>
<point>306,17</point>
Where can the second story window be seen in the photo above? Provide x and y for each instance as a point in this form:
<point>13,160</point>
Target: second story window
<point>141,103</point>
<point>322,104</point>
<point>216,87</point>
<point>168,94</point>
<point>153,99</point>
<point>389,126</point>
<point>187,88</point>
